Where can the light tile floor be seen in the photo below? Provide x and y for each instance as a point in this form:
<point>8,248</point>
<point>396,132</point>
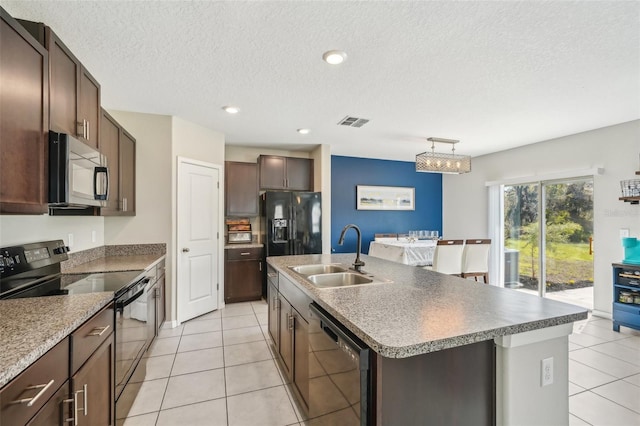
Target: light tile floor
<point>218,369</point>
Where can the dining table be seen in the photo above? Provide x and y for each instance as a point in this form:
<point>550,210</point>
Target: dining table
<point>415,253</point>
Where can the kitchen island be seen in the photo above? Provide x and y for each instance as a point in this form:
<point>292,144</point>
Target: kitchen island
<point>480,347</point>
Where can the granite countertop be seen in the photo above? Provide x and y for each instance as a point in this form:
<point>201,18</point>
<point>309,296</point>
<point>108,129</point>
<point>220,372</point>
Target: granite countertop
<point>421,311</point>
<point>116,264</point>
<point>243,246</point>
<point>30,327</point>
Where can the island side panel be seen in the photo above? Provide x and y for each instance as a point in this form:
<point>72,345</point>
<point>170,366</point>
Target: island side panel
<point>521,397</point>
<point>453,386</point>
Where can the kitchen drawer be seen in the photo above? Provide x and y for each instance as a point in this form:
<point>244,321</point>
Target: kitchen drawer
<point>296,297</point>
<point>86,339</point>
<point>254,253</point>
<point>272,276</point>
<point>35,385</point>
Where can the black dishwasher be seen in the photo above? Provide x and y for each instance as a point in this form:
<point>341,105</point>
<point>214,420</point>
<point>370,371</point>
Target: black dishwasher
<point>340,379</point>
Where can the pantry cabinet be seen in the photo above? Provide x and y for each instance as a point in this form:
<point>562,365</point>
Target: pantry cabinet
<point>288,173</point>
<point>74,94</point>
<point>24,120</point>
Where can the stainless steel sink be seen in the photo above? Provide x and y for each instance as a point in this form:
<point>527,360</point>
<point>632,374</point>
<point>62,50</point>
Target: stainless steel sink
<point>317,269</point>
<point>338,279</point>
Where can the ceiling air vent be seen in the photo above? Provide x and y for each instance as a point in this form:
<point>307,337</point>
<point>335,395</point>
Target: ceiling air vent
<point>353,121</point>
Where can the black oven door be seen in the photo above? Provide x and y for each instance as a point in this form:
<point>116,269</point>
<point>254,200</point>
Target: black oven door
<point>131,331</point>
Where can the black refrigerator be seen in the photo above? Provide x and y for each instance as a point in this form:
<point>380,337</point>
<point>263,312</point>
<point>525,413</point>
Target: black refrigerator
<point>291,223</point>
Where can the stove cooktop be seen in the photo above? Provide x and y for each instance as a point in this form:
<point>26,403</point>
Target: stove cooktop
<point>116,282</point>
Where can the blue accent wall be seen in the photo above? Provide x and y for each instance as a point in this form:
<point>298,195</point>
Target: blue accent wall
<point>347,172</point>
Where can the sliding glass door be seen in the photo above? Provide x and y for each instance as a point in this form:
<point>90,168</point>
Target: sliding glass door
<point>548,228</point>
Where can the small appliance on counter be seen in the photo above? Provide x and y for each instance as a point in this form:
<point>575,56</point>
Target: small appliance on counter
<point>631,251</point>
<point>238,231</point>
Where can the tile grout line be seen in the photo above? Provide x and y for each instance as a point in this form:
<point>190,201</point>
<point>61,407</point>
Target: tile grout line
<point>164,394</point>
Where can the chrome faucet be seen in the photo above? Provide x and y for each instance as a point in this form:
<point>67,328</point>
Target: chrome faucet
<point>358,263</point>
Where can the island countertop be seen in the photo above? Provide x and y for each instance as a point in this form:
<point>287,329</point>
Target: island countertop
<point>421,311</point>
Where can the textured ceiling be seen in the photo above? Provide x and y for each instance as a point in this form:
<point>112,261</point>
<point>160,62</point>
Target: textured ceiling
<point>495,75</point>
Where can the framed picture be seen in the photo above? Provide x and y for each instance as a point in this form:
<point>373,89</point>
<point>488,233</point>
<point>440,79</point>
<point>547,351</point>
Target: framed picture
<point>385,198</point>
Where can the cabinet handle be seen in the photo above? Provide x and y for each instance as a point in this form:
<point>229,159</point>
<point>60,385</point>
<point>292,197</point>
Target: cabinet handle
<point>84,397</point>
<point>271,274</point>
<point>33,399</point>
<point>290,321</point>
<point>260,266</point>
<point>156,293</point>
<point>74,418</point>
<point>245,253</point>
<point>124,204</point>
<point>99,333</point>
<point>88,130</point>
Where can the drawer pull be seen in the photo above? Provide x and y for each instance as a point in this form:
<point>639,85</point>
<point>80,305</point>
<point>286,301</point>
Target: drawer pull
<point>33,399</point>
<point>101,331</point>
<point>245,253</point>
<point>272,274</point>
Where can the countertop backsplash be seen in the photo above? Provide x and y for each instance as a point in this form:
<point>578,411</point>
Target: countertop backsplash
<point>92,254</point>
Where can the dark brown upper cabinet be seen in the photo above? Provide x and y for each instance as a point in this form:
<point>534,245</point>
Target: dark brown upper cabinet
<point>289,173</point>
<point>241,189</point>
<point>24,120</point>
<point>120,149</point>
<point>74,94</point>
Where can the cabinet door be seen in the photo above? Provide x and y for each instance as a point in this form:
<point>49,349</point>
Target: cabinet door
<point>92,387</point>
<point>241,189</point>
<point>127,173</point>
<point>272,172</point>
<point>24,120</point>
<point>89,108</point>
<point>274,315</point>
<point>64,70</point>
<point>243,280</point>
<point>286,335</point>
<point>299,174</point>
<point>301,356</point>
<point>110,147</point>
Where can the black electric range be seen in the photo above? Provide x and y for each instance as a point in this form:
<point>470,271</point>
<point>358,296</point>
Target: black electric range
<point>33,270</point>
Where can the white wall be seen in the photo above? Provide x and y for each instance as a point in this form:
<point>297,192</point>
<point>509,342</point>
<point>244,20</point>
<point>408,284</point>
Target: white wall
<point>616,148</point>
<point>29,229</point>
<point>152,222</point>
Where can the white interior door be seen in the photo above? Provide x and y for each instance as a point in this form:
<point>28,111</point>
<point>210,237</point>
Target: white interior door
<point>198,251</point>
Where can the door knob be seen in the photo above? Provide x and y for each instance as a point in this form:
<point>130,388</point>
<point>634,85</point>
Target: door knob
<point>185,250</point>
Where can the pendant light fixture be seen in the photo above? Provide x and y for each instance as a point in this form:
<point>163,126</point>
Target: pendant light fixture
<point>434,162</point>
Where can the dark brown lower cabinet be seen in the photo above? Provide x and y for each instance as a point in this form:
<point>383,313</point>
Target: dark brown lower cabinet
<point>274,314</point>
<point>301,356</point>
<point>286,336</point>
<point>242,274</point>
<point>92,387</point>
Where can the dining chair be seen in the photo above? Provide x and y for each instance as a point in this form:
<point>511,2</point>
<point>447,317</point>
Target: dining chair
<point>475,259</point>
<point>447,257</point>
<point>385,237</point>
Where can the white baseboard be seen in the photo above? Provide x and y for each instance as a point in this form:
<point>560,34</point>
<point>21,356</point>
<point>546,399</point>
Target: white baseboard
<point>601,314</point>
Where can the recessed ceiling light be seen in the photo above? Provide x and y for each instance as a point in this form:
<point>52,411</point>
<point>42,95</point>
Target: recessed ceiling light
<point>231,109</point>
<point>304,131</point>
<point>334,57</point>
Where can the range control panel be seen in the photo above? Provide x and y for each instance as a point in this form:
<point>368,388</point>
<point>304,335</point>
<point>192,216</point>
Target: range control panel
<point>17,259</point>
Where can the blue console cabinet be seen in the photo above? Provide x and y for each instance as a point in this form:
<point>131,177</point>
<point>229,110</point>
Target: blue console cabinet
<point>626,310</point>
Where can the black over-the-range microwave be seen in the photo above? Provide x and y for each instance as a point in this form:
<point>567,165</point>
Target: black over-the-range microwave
<point>78,173</point>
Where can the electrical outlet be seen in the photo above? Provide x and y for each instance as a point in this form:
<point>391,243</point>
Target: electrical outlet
<point>93,236</point>
<point>624,233</point>
<point>546,371</point>
<point>70,240</point>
